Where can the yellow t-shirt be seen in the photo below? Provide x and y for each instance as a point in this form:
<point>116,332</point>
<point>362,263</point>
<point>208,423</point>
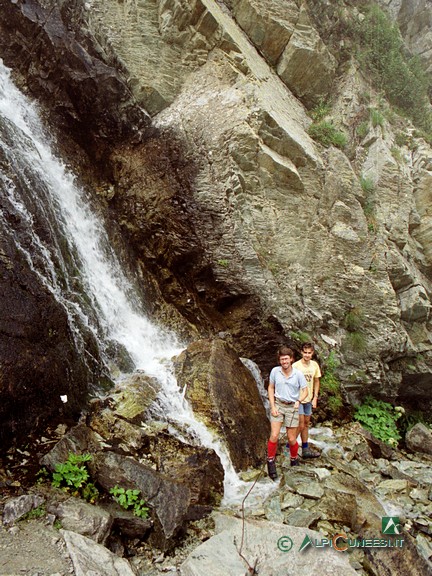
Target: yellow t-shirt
<point>310,371</point>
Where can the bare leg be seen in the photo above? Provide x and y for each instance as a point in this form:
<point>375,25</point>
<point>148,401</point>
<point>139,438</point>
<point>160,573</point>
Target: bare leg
<point>275,431</point>
<point>304,432</point>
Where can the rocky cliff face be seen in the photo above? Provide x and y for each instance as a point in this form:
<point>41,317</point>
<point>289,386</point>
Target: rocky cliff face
<point>279,217</point>
<point>246,224</point>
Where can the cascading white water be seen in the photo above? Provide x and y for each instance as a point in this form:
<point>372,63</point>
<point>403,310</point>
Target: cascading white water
<point>117,312</point>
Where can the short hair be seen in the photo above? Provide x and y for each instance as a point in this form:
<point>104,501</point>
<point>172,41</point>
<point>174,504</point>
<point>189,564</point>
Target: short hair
<point>307,345</point>
<point>285,351</point>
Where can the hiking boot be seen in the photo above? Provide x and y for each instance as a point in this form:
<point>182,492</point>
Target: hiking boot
<point>295,462</point>
<point>271,469</point>
<point>308,453</point>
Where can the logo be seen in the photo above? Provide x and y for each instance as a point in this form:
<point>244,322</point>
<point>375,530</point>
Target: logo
<point>390,525</point>
<point>285,544</point>
<point>306,542</point>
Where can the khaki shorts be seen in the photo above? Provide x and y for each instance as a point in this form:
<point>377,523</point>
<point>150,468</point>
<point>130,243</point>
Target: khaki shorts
<point>288,415</point>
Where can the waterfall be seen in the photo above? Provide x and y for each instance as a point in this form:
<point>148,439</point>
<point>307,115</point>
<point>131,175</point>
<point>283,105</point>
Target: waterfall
<point>77,264</point>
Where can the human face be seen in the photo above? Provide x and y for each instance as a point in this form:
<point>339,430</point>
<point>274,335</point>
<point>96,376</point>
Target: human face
<point>285,362</point>
<point>307,354</point>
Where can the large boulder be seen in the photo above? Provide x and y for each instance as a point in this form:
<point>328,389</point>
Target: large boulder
<point>224,395</point>
<point>271,547</point>
<point>306,66</point>
<point>419,439</point>
<point>268,27</point>
<point>168,499</point>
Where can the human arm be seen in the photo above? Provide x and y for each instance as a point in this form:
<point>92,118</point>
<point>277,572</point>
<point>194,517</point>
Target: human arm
<point>303,394</point>
<point>316,389</point>
<point>304,390</point>
<point>271,397</point>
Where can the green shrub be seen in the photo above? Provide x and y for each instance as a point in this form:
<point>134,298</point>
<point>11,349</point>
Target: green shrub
<point>320,111</point>
<point>367,185</point>
<point>353,319</point>
<point>73,475</point>
<point>396,153</point>
<point>38,512</point>
<point>363,129</point>
<point>130,499</point>
<point>334,403</point>
<point>223,262</point>
<point>402,78</point>
<point>327,134</point>
<point>377,119</point>
<point>410,419</point>
<point>330,384</point>
<point>379,418</point>
<point>401,139</point>
<point>301,337</point>
<point>356,341</point>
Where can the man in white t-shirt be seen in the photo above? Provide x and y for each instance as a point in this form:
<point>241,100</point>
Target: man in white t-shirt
<point>312,374</point>
<point>287,388</point>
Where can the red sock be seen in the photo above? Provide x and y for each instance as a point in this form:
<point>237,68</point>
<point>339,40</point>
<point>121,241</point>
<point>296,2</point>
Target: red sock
<point>271,449</point>
<point>294,450</point>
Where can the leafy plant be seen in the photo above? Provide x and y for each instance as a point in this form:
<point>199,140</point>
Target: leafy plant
<point>380,418</point>
<point>330,384</point>
<point>74,475</point>
<point>327,134</point>
<point>223,262</point>
<point>130,499</point>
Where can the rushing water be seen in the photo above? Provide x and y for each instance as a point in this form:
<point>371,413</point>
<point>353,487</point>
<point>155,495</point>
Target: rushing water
<point>78,266</point>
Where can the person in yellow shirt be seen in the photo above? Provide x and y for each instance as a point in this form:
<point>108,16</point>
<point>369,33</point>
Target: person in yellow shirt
<point>312,374</point>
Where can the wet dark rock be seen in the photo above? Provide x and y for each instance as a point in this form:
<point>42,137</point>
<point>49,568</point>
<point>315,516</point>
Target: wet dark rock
<point>82,83</point>
<point>224,395</point>
<point>38,356</point>
<point>378,448</point>
<point>78,440</point>
<point>197,467</point>
<point>179,482</point>
<point>126,523</point>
